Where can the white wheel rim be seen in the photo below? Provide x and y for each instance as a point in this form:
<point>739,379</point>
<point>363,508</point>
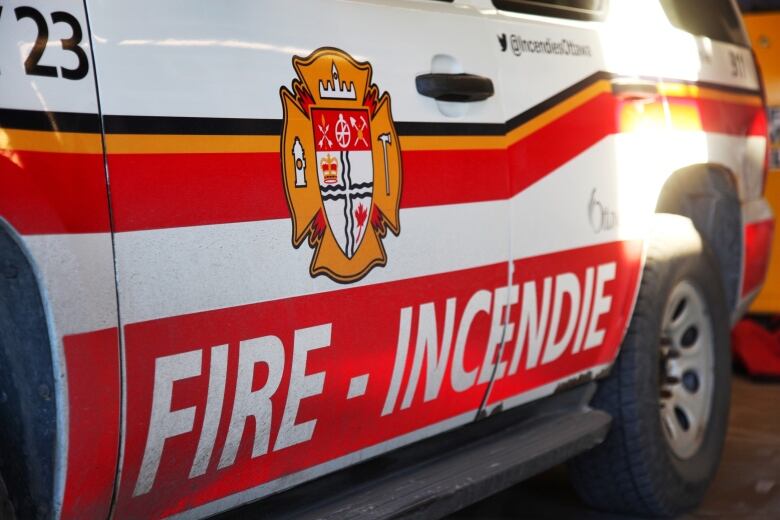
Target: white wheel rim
<point>687,372</point>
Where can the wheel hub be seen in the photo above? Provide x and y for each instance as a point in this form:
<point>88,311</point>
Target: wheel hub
<point>686,371</point>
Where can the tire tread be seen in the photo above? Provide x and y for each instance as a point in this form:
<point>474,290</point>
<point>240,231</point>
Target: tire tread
<point>623,474</point>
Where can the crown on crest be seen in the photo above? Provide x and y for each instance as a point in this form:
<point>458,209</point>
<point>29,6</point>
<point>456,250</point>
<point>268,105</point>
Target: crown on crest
<point>336,89</point>
<point>329,166</point>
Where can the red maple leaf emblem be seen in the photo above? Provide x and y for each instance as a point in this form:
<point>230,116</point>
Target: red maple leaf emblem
<point>361,213</point>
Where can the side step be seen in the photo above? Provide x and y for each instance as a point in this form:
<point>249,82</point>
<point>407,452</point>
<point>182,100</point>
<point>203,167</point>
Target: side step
<point>443,475</point>
<point>473,472</point>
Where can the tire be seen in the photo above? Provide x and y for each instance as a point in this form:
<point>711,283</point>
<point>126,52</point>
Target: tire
<point>639,469</point>
<point>6,508</point>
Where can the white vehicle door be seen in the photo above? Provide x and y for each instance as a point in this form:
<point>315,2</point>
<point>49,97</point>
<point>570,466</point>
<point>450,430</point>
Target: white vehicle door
<point>57,268</point>
<point>568,70</point>
<point>311,251</point>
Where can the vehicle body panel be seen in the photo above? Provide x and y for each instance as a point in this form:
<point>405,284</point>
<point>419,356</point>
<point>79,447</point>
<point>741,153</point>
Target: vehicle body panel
<point>54,196</point>
<point>509,274</point>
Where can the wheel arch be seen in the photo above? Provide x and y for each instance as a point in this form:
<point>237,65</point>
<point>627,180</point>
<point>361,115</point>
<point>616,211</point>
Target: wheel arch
<point>29,403</point>
<point>708,194</point>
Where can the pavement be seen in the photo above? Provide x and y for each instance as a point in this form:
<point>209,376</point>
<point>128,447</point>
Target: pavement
<point>747,485</point>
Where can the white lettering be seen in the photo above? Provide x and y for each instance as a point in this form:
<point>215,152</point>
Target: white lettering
<point>530,325</point>
<point>404,331</point>
<point>302,386</point>
<point>460,378</point>
<point>565,284</point>
<point>164,422</point>
<point>501,331</point>
<point>208,432</point>
<point>601,305</point>
<point>427,342</point>
<point>583,322</point>
<point>257,404</point>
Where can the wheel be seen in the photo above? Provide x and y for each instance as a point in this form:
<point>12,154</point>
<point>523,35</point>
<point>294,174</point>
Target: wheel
<point>669,390</point>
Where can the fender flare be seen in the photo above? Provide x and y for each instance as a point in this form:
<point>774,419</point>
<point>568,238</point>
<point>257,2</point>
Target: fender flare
<point>708,195</point>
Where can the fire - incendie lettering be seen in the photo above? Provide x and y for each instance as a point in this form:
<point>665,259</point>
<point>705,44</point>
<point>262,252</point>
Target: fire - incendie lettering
<point>530,325</point>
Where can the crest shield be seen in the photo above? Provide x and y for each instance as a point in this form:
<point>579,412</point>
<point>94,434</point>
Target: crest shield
<point>345,172</point>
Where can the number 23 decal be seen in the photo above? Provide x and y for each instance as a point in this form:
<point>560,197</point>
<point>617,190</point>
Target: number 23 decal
<point>32,65</point>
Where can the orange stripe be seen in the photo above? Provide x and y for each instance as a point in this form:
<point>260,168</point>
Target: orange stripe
<point>48,141</point>
<point>68,142</point>
<point>696,92</point>
<point>152,143</point>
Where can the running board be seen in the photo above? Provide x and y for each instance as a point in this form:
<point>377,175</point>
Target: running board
<point>416,486</point>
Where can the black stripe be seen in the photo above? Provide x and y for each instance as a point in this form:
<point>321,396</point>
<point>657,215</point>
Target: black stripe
<point>498,129</point>
<point>337,188</point>
<point>348,218</point>
<point>118,124</point>
<point>328,196</point>
<point>234,126</point>
<point>434,129</point>
<point>556,99</point>
<point>53,121</point>
<point>191,125</point>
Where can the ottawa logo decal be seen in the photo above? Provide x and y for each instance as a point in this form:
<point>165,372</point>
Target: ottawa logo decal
<point>341,164</point>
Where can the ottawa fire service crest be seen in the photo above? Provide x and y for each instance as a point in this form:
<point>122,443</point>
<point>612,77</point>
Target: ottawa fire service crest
<point>341,164</point>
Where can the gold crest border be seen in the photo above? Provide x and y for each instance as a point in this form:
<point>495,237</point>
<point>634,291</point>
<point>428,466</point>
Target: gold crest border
<point>310,235</point>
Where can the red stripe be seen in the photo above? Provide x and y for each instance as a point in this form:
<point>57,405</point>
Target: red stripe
<point>174,190</point>
<point>92,362</point>
<point>433,178</point>
<point>725,117</point>
<point>364,332</point>
<point>44,192</point>
<point>758,243</point>
<point>201,189</point>
<point>553,145</point>
<point>65,193</point>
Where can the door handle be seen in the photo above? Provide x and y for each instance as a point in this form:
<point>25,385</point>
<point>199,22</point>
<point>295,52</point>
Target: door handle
<point>455,87</point>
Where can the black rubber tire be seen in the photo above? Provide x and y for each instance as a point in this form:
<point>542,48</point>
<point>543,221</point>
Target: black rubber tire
<point>6,507</point>
<point>634,470</point>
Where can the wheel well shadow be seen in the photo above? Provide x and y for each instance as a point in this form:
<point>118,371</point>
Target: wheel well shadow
<point>708,195</point>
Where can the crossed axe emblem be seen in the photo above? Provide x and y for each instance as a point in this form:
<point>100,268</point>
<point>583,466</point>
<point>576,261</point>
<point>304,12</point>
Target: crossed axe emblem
<point>324,128</point>
<point>360,129</point>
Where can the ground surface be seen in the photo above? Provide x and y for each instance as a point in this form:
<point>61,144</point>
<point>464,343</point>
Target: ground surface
<point>747,485</point>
